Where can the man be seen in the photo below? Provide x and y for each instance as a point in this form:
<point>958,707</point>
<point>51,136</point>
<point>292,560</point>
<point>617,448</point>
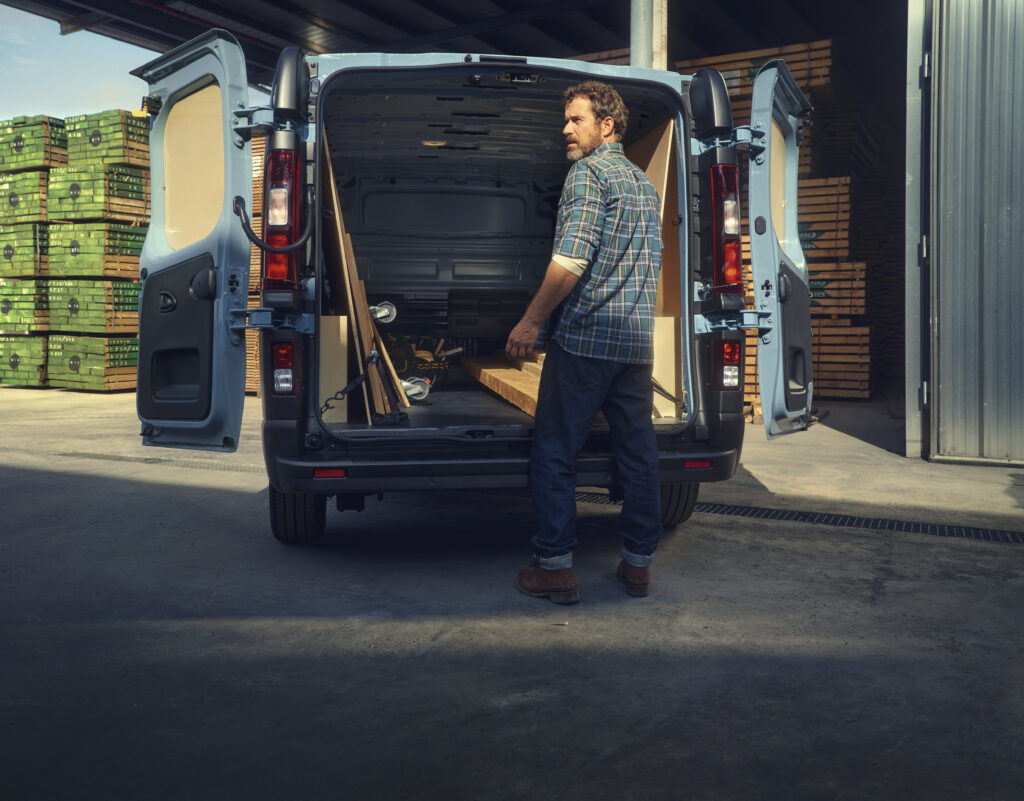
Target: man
<point>604,276</point>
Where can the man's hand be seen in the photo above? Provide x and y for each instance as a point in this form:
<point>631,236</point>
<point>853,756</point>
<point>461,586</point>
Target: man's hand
<point>557,283</point>
<point>522,339</point>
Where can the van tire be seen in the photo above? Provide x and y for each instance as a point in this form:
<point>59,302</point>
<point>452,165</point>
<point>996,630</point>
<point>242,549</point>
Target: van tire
<point>677,502</point>
<point>297,517</point>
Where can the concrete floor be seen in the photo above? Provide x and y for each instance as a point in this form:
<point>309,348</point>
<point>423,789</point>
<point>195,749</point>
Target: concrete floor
<point>157,643</point>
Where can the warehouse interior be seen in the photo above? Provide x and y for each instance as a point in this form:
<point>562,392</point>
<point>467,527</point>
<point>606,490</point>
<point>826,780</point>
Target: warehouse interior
<point>849,58</point>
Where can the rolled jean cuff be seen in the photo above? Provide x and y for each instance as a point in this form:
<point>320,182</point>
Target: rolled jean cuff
<point>560,562</point>
<point>637,559</point>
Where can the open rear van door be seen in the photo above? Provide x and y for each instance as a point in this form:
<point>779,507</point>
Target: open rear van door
<point>195,262</point>
<point>781,284</point>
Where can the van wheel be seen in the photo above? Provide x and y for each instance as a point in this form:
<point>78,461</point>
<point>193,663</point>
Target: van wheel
<point>677,502</point>
<point>297,517</point>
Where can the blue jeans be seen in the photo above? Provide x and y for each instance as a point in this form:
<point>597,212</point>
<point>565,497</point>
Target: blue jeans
<point>572,390</point>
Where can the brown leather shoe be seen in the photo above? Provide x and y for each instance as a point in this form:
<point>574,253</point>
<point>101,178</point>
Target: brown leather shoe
<point>559,586</point>
<point>636,579</point>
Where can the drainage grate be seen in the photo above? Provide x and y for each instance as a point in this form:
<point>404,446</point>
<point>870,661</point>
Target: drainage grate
<point>849,521</point>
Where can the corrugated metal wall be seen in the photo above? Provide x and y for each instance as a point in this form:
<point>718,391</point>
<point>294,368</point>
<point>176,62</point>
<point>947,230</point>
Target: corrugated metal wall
<point>977,230</point>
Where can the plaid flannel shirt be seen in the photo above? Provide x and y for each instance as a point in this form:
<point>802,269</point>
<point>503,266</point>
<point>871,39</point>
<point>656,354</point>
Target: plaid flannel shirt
<point>610,214</point>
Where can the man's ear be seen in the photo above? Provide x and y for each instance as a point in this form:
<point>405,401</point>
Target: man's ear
<point>607,127</point>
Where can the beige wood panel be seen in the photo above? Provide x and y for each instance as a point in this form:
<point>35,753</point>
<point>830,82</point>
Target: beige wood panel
<point>668,360</point>
<point>334,365</point>
<point>193,187</point>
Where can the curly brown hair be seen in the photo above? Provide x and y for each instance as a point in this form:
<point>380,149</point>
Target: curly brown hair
<point>604,100</point>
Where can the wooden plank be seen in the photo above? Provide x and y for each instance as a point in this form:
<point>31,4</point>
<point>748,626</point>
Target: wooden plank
<point>339,272</point>
<point>516,386</point>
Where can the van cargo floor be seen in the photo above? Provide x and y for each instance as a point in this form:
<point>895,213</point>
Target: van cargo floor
<point>467,407</point>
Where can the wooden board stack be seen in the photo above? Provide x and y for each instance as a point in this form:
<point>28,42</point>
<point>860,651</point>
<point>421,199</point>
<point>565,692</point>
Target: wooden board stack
<point>94,307</point>
<point>92,363</point>
<point>24,250</point>
<point>24,306</point>
<point>108,137</point>
<point>23,361</point>
<point>252,338</point>
<point>95,249</point>
<point>32,143</point>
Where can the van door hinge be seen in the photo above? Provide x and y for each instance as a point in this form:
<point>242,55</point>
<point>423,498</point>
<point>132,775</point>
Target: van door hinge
<point>250,122</point>
<point>736,321</point>
<point>922,251</point>
<point>743,136</point>
<point>270,319</point>
<point>926,67</point>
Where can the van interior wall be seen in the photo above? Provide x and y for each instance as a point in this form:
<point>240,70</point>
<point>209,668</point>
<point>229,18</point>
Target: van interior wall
<point>449,191</point>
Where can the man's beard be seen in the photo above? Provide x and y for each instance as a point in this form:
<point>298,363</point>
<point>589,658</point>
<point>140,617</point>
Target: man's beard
<point>583,149</point>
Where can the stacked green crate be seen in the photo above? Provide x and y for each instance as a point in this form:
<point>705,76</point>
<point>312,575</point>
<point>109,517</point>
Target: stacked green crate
<point>94,307</point>
<point>24,250</point>
<point>32,143</point>
<point>99,192</point>
<point>96,363</point>
<point>23,361</point>
<point>23,197</point>
<point>109,137</point>
<point>24,306</point>
<point>95,249</point>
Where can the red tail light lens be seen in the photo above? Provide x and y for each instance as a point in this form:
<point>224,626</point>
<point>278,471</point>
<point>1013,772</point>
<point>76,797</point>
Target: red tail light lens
<point>281,217</point>
<point>727,244</point>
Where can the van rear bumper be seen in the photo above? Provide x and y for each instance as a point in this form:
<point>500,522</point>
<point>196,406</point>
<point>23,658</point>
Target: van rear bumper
<point>289,474</point>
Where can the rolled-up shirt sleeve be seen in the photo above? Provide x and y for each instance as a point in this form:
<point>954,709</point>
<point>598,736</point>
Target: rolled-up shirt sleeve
<point>580,215</point>
<point>576,266</point>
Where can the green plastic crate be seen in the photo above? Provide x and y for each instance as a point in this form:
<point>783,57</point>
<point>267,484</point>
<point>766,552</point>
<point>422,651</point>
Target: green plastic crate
<point>94,363</point>
<point>23,197</point>
<point>94,307</point>
<point>32,143</point>
<point>100,192</point>
<point>23,361</point>
<point>108,137</point>
<point>95,249</point>
<point>24,305</point>
<point>24,250</point>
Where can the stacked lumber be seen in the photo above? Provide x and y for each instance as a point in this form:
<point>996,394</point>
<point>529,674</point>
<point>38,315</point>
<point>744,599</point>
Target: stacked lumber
<point>823,219</point>
<point>23,361</point>
<point>24,250</point>
<point>92,363</point>
<point>32,143</point>
<point>841,358</point>
<point>24,306</point>
<point>252,353</point>
<point>23,197</point>
<point>94,307</point>
<point>29,148</point>
<point>99,192</point>
<point>108,137</point>
<point>95,249</point>
<point>252,339</point>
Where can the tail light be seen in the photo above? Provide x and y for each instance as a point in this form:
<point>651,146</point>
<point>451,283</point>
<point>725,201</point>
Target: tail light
<point>281,218</point>
<point>727,355</point>
<point>728,247</point>
<point>283,356</point>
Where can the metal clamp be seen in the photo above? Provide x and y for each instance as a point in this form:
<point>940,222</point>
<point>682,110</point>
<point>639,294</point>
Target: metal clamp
<point>249,122</point>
